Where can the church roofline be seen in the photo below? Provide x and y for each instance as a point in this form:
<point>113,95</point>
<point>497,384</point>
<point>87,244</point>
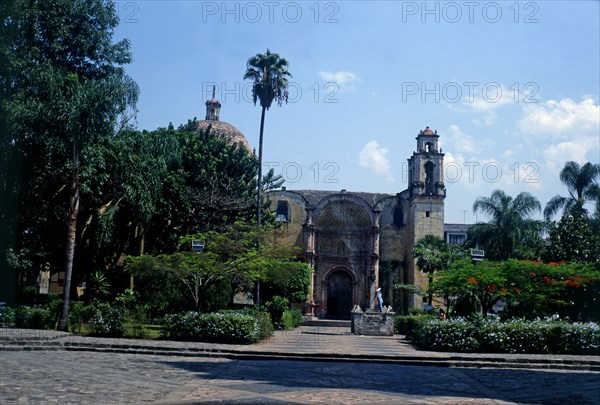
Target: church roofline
<point>314,197</point>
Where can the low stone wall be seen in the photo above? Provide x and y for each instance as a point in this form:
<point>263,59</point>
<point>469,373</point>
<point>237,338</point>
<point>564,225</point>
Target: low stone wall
<point>372,322</point>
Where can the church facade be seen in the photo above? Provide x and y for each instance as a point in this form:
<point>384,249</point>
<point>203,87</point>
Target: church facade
<point>356,242</point>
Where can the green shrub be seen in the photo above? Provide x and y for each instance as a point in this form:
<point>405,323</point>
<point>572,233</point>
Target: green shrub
<point>107,320</point>
<point>136,322</point>
<point>80,313</point>
<point>581,338</point>
<point>34,318</point>
<point>277,306</point>
<point>265,325</point>
<point>494,336</point>
<point>419,311</point>
<point>405,324</point>
<point>456,335</point>
<point>40,318</point>
<point>291,319</point>
<point>7,315</point>
<point>216,327</point>
<point>22,316</point>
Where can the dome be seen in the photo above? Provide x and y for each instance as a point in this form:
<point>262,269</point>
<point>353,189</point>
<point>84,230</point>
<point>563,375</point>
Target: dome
<point>428,131</point>
<point>221,128</point>
<point>227,131</point>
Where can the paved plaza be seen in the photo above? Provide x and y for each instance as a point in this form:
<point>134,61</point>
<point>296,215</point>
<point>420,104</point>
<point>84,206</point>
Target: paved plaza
<point>117,371</point>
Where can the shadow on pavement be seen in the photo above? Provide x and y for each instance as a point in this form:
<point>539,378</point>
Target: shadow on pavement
<point>298,378</point>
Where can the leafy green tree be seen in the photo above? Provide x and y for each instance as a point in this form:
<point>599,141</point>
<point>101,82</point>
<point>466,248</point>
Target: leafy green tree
<point>65,89</point>
<point>221,180</point>
<point>122,185</point>
<point>269,74</point>
<point>227,255</point>
<point>432,254</point>
<point>429,253</point>
<point>582,184</point>
<point>287,278</point>
<point>572,240</point>
<point>297,287</point>
<point>511,232</point>
<point>209,186</point>
<point>542,289</point>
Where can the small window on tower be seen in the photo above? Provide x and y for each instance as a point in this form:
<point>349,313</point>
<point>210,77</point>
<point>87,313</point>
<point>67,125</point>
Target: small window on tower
<point>427,214</point>
<point>283,211</point>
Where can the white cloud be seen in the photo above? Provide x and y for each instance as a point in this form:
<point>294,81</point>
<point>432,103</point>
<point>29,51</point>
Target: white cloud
<point>577,150</point>
<point>513,151</point>
<point>343,78</point>
<point>482,176</point>
<point>564,118</point>
<point>461,142</point>
<point>487,119</point>
<point>375,158</point>
<point>483,99</point>
<point>565,151</point>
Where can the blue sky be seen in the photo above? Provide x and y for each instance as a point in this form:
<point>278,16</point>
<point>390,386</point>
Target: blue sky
<point>511,87</point>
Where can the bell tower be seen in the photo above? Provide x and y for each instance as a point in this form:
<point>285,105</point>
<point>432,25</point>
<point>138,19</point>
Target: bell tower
<point>213,107</point>
<point>426,166</point>
<point>426,193</point>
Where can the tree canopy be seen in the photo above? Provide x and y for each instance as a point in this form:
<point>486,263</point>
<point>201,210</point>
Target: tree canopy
<point>268,71</point>
<point>532,288</point>
<point>230,254</point>
<point>511,232</point>
<point>64,90</point>
<point>582,184</point>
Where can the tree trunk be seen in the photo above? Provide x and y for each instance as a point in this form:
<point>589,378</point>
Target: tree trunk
<point>138,233</point>
<point>259,194</point>
<point>260,157</point>
<point>71,237</point>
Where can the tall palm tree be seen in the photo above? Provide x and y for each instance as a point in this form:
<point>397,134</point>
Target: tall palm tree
<point>511,229</point>
<point>582,184</point>
<point>429,254</point>
<point>269,73</point>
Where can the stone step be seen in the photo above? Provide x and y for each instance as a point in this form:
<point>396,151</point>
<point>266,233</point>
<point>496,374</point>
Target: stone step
<point>328,323</point>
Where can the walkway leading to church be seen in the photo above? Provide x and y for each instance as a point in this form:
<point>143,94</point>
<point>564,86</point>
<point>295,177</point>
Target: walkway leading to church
<point>41,367</point>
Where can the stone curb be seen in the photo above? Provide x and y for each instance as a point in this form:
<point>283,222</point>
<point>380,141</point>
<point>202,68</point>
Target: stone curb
<point>587,363</point>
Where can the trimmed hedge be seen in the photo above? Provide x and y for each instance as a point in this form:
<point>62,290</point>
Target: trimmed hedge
<point>231,327</point>
<point>515,336</point>
<point>265,323</point>
<point>405,324</point>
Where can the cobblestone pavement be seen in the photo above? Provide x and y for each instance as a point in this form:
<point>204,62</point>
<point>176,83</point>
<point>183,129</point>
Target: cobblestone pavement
<point>67,377</point>
<point>68,370</point>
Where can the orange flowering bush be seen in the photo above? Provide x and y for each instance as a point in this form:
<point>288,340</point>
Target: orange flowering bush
<point>538,288</point>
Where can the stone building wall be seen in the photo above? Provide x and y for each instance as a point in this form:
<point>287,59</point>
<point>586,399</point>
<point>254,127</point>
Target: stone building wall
<point>356,241</point>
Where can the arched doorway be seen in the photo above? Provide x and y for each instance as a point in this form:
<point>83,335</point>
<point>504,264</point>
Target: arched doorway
<point>339,295</point>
